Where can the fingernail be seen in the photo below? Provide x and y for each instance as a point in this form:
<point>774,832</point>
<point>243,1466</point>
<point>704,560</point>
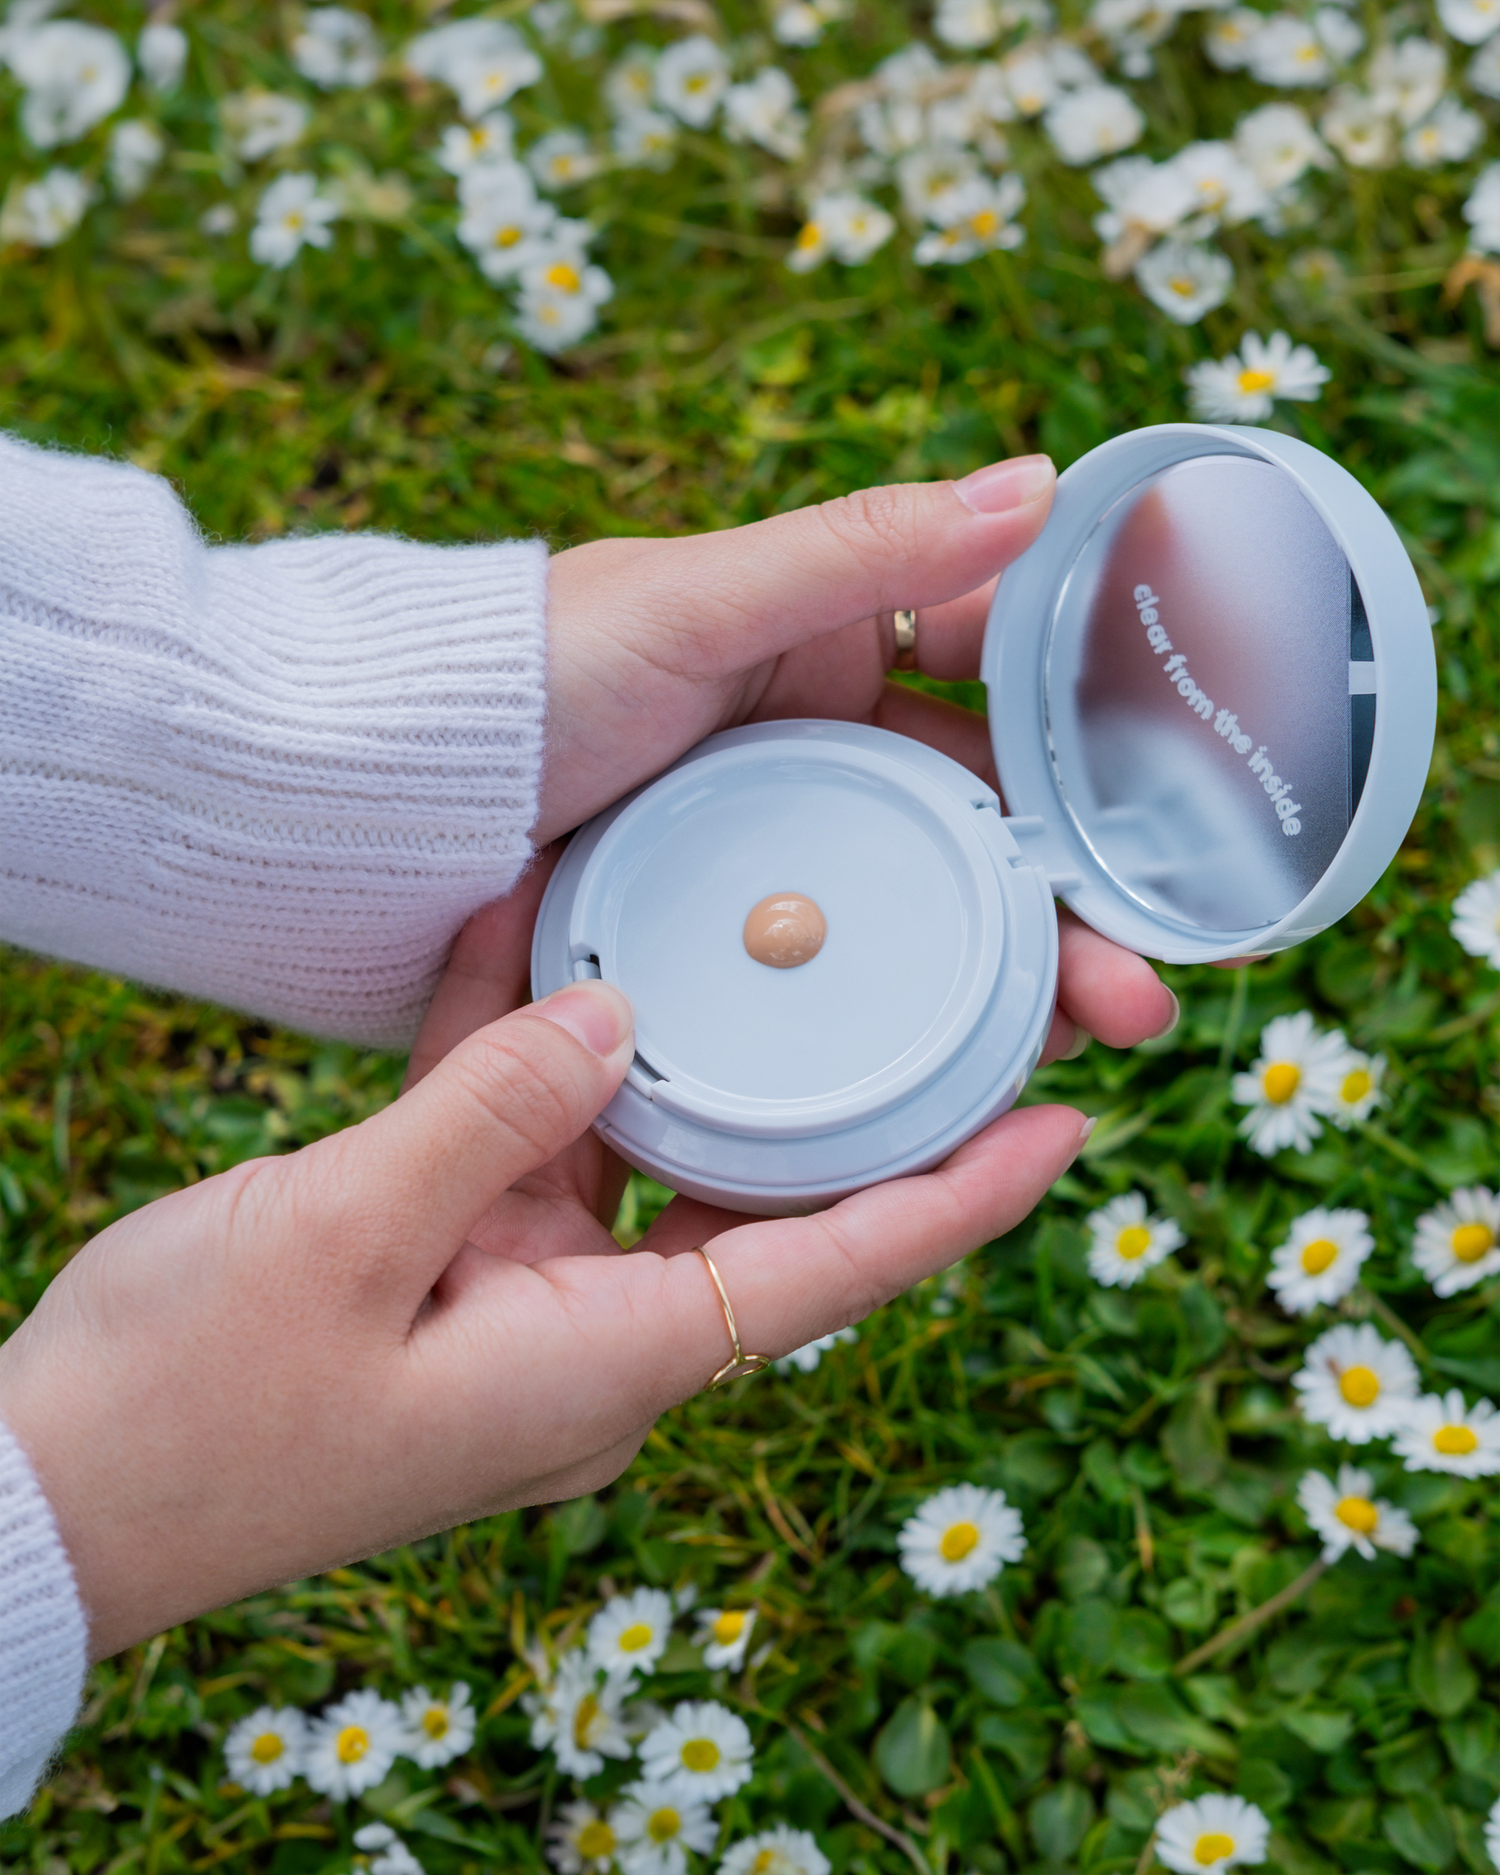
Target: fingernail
<point>1088,1126</point>
<point>595,1014</point>
<point>1004,485</point>
<point>1081,1040</point>
<point>1171,1021</point>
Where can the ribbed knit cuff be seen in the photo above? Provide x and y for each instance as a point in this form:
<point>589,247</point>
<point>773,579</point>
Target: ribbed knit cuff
<point>43,1634</point>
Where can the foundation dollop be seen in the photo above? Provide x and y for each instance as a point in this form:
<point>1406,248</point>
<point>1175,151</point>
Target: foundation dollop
<point>785,930</point>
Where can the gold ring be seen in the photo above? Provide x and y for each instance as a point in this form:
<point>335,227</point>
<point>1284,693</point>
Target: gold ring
<point>906,641</point>
<point>739,1363</point>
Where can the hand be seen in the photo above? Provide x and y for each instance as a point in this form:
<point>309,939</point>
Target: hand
<point>421,1320</point>
<point>655,644</point>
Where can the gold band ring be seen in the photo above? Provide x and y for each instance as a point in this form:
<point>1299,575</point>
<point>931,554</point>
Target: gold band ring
<point>739,1363</point>
<point>906,641</point>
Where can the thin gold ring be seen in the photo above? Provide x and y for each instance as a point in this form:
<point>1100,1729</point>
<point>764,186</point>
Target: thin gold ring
<point>906,641</point>
<point>739,1363</point>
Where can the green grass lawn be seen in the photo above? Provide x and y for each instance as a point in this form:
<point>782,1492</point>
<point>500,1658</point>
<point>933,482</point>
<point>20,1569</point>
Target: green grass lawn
<point>1147,1436</point>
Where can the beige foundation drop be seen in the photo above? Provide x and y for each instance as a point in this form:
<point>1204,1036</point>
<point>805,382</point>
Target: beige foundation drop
<point>785,930</point>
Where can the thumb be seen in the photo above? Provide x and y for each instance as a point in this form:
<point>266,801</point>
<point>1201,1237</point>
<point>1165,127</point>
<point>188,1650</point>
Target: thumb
<point>769,587</point>
<point>508,1098</point>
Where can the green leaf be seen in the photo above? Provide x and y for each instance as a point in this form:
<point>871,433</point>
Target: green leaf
<point>1323,1731</point>
<point>1060,1820</point>
<point>1002,1671</point>
<point>1143,1645</point>
<point>1194,1440</point>
<point>1440,1673</point>
<point>911,1751</point>
<point>1473,1743</point>
<point>1084,1567</point>
<point>1419,1831</point>
<point>1025,1740</point>
<point>1264,1783</point>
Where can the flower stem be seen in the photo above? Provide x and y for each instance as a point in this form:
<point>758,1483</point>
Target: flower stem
<point>1246,1625</point>
<point>1383,1311</point>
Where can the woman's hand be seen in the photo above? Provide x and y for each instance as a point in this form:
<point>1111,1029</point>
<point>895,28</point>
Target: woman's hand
<point>422,1320</point>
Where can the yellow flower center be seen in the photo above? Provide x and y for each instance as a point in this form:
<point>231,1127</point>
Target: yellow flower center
<point>663,1825</point>
<point>1358,1513</point>
<point>1308,54</point>
<point>435,1722</point>
<point>957,1540</point>
<point>729,1626</point>
<point>1030,103</point>
<point>1280,1081</point>
<point>985,222</point>
<point>1454,1441</point>
<point>595,1842</point>
<point>1183,286</point>
<point>294,220</point>
<point>1472,1241</point>
<point>635,1637</point>
<point>1355,1087</point>
<point>1133,1242</point>
<point>583,1719</point>
<point>700,1754</point>
<point>1317,1255</point>
<point>1212,1847</point>
<point>810,236</point>
<point>1257,381</point>
<point>764,1862</point>
<point>507,237</point>
<point>353,1743</point>
<point>268,1748</point>
<point>696,82</point>
<point>1360,1386</point>
<point>566,280</point>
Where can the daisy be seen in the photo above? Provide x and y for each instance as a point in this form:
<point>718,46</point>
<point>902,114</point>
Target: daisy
<point>583,1840</point>
<point>807,1358</point>
<point>630,1633</point>
<point>1346,1516</point>
<point>781,1850</point>
<point>725,1634</point>
<point>700,1754</point>
<point>1356,1384</point>
<point>631,81</point>
<point>1484,74</point>
<point>75,76</point>
<point>1442,1434</point>
<point>503,222</point>
<point>1320,1260</point>
<point>579,1718</point>
<point>1243,388</point>
<point>1286,51</point>
<point>657,1825</point>
<point>1358,1089</point>
<point>1482,212</point>
<point>966,24</point>
<point>258,122</point>
<point>1125,1242</point>
<point>647,138</point>
<point>1184,280</point>
<point>553,321</point>
<point>489,139</point>
<point>765,110</point>
<point>291,215</point>
<point>691,76</point>
<point>40,214</point>
<point>1291,1082</point>
<point>1458,1243</point>
<point>843,224</point>
<point>1098,120</point>
<point>975,219</point>
<point>1470,21</point>
<point>1357,127</point>
<point>1476,910</point>
<point>1448,135</point>
<point>562,159</point>
<point>438,1730</point>
<point>1229,39</point>
<point>1280,145</point>
<point>959,1539</point>
<point>1211,1833</point>
<point>1492,1833</point>
<point>1221,183</point>
<point>1407,79</point>
<point>336,46</point>
<point>797,24</point>
<point>353,1744</point>
<point>135,149</point>
<point>161,52</point>
<point>264,1752</point>
<point>388,1854</point>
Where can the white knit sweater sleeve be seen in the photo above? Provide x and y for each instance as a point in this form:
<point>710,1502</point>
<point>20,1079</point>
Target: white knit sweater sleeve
<point>43,1636</point>
<point>278,777</point>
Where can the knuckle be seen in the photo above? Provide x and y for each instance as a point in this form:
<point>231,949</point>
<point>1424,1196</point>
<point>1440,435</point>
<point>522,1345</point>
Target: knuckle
<point>882,518</point>
<point>537,1107</point>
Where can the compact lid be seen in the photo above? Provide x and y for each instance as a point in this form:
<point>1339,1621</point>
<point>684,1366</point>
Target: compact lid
<point>1212,691</point>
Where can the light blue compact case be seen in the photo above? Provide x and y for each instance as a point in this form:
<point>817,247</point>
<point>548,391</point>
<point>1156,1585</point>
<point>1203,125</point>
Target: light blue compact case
<point>1212,696</point>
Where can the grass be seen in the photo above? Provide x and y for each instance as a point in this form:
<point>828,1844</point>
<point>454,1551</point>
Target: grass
<point>1146,1436</point>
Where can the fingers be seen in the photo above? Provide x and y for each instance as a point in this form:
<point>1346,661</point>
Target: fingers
<point>959,733</point>
<point>488,972</point>
<point>507,1099</point>
<point>1108,991</point>
<point>950,637</point>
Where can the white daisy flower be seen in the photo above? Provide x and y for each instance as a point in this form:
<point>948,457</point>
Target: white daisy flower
<point>1449,134</point>
<point>765,110</point>
<point>630,84</point>
<point>1320,1260</point>
<point>960,1539</point>
<point>1469,21</point>
<point>1243,387</point>
<point>1361,131</point>
<point>1346,1515</point>
<point>691,77</point>
<point>1280,145</point>
<point>1407,79</point>
<point>1030,81</point>
<point>336,46</point>
<point>551,322</point>
<point>781,1850</point>
<point>1287,51</point>
<point>1442,1434</point>
<point>806,1359</point>
<point>1476,910</point>
<point>483,62</point>
<point>1340,36</point>
<point>1492,1833</point>
<point>352,1744</point>
<point>291,215</point>
<point>583,1840</point>
<point>797,24</point>
<point>1144,198</point>
<point>258,122</point>
<point>1184,280</point>
<point>135,149</point>
<point>1230,37</point>
<point>1125,1242</point>
<point>438,1730</point>
<point>657,1824</point>
<point>700,1754</point>
<point>388,1854</point>
<point>263,1753</point>
<point>1097,121</point>
<point>1220,182</point>
<point>966,24</point>
<point>1358,1092</point>
<point>489,139</point>
<point>1356,1383</point>
<point>629,1634</point>
<point>842,224</point>
<point>75,76</point>
<point>562,159</point>
<point>645,139</point>
<point>1484,70</point>
<point>725,1634</point>
<point>1211,1833</point>
<point>220,219</point>
<point>1292,1081</point>
<point>579,1718</point>
<point>1482,212</point>
<point>1458,1242</point>
<point>927,178</point>
<point>161,52</point>
<point>504,222</point>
